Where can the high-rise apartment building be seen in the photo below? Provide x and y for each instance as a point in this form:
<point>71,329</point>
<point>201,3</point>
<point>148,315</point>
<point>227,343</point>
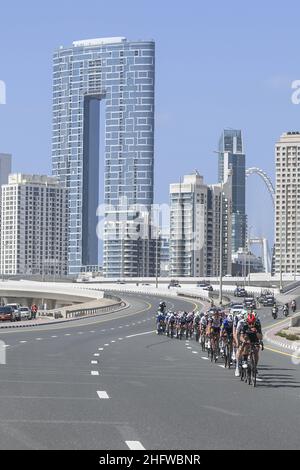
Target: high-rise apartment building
<point>232,158</point>
<point>118,75</point>
<point>188,214</point>
<point>5,167</point>
<point>287,205</point>
<point>198,215</point>
<point>33,226</point>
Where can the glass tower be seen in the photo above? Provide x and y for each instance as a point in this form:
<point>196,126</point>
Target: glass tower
<point>232,157</point>
<point>119,75</point>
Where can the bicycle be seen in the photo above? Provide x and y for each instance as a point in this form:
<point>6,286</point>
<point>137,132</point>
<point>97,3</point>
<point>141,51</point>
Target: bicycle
<point>215,347</point>
<point>228,349</point>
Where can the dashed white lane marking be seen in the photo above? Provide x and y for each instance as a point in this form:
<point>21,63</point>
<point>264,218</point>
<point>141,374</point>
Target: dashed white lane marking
<point>100,349</point>
<point>106,344</point>
<point>23,341</point>
<point>80,333</point>
<point>38,339</point>
<point>53,336</point>
<point>92,331</point>
<point>189,347</point>
<point>96,354</point>
<point>120,326</point>
<point>94,372</point>
<point>259,380</point>
<point>205,358</point>
<point>141,334</point>
<point>135,445</point>
<point>94,362</point>
<point>103,331</point>
<point>120,339</point>
<point>102,395</point>
<point>220,365</point>
<point>112,329</point>
<point>68,334</point>
<point>195,352</point>
<point>126,325</point>
<point>112,341</point>
<point>6,346</point>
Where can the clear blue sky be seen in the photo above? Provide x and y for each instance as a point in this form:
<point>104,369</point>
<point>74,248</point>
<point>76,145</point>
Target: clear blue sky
<point>219,64</point>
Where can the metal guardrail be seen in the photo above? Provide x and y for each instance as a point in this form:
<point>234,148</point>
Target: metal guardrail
<point>89,311</point>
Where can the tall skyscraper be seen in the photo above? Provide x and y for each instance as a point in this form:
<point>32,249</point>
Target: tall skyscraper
<point>287,204</point>
<point>119,75</point>
<point>232,158</point>
<point>33,226</point>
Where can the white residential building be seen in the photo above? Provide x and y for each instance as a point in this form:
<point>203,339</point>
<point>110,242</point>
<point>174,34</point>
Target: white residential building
<point>34,220</point>
<point>287,206</point>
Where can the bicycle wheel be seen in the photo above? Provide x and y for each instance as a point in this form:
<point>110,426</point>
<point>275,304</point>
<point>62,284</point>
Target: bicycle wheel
<point>226,358</point>
<point>253,370</point>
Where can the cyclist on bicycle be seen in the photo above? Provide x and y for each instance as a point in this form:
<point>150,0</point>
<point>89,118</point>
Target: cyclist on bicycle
<point>251,333</point>
<point>226,333</point>
<point>160,322</point>
<point>213,328</point>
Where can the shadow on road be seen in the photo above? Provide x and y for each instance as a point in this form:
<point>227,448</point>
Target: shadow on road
<point>277,377</point>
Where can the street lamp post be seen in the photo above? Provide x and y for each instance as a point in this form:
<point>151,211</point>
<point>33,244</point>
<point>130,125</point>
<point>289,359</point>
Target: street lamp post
<point>221,247</point>
<point>249,255</point>
<point>156,259</point>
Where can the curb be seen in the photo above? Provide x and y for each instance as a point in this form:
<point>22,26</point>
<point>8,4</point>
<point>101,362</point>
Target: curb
<point>269,336</point>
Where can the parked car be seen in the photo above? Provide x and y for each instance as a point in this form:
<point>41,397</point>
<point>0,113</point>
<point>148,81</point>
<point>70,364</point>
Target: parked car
<point>25,313</point>
<point>16,308</point>
<point>7,314</point>
<point>203,284</point>
<point>174,283</point>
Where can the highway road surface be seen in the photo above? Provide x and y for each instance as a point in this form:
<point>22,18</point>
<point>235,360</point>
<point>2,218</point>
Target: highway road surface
<point>112,383</point>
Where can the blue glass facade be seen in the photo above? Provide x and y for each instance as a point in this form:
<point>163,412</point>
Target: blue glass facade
<point>231,156</point>
<point>119,75</point>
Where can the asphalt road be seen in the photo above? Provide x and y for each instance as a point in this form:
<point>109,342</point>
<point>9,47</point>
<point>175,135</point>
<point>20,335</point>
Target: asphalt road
<point>112,383</point>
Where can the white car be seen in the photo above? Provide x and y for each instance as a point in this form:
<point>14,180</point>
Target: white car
<point>25,313</point>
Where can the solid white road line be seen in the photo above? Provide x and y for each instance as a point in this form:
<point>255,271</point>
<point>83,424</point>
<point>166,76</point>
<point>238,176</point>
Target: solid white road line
<point>102,395</point>
<point>135,445</point>
<point>141,334</point>
<point>94,372</point>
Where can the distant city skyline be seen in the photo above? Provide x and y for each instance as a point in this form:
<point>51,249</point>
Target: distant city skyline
<point>251,93</point>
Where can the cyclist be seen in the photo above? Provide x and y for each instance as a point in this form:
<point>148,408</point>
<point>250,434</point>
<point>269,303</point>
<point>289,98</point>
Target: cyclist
<point>160,322</point>
<point>226,333</point>
<point>213,328</point>
<point>237,328</point>
<point>251,333</point>
<point>162,306</point>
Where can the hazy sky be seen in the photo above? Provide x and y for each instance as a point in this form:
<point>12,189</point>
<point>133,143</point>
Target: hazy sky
<point>218,64</point>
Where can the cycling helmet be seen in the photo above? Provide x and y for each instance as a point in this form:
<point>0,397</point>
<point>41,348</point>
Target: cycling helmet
<point>230,318</point>
<point>251,319</point>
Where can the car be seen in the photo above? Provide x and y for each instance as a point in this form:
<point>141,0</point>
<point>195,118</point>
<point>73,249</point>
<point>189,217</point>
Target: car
<point>249,302</point>
<point>269,301</point>
<point>240,292</point>
<point>174,283</point>
<point>7,314</point>
<point>25,313</point>
<point>209,288</point>
<point>16,308</point>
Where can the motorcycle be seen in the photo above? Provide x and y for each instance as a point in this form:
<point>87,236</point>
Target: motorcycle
<point>275,313</point>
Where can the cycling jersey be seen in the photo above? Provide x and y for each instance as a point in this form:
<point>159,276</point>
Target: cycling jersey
<point>252,331</point>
